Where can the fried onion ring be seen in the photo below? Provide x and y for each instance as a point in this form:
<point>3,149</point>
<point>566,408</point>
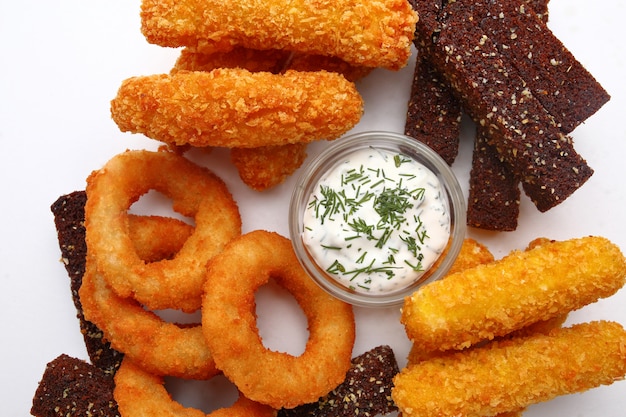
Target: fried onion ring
<point>139,393</point>
<point>171,234</point>
<point>274,378</point>
<point>159,347</point>
<point>196,192</point>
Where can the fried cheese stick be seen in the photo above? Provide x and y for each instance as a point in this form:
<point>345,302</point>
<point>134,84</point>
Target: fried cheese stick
<point>233,107</point>
<point>505,376</point>
<point>473,254</point>
<point>372,34</point>
<point>522,288</point>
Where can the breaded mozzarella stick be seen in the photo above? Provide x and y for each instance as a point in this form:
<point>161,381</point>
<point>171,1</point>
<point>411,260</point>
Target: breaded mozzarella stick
<point>506,376</point>
<point>522,288</point>
<point>233,107</point>
<point>368,33</point>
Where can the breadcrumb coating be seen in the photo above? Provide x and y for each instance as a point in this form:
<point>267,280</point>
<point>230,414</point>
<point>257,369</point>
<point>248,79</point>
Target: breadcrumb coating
<point>267,166</point>
<point>506,376</point>
<point>524,287</point>
<point>233,107</point>
<point>369,33</point>
<point>253,60</point>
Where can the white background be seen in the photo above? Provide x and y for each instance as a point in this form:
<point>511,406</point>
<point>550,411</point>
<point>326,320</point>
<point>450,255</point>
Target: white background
<point>62,63</point>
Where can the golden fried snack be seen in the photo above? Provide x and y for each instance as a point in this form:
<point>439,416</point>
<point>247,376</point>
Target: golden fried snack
<point>373,34</point>
<point>253,60</point>
<point>307,62</point>
<point>139,393</point>
<point>233,107</point>
<point>195,192</point>
<point>171,234</point>
<point>472,253</point>
<point>417,355</point>
<point>505,376</point>
<point>267,166</point>
<point>524,287</point>
<point>160,347</point>
<point>275,378</point>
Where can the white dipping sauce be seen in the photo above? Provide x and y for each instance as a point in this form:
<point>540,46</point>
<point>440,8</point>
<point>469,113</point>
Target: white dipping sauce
<point>377,221</point>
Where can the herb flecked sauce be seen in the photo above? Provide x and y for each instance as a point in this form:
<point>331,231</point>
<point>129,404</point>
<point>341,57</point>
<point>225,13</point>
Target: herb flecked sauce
<point>377,221</point>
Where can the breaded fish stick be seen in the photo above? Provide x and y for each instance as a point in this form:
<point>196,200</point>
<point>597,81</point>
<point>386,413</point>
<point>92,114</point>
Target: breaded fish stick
<point>233,107</point>
<point>267,166</point>
<point>251,59</point>
<point>524,287</point>
<point>505,376</point>
<point>368,33</point>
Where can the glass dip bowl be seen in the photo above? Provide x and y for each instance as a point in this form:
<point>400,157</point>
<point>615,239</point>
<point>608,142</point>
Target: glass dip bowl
<point>361,276</point>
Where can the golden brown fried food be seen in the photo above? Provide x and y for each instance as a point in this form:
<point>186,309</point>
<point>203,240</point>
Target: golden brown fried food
<point>267,166</point>
<point>373,34</point>
<point>139,393</point>
<point>307,62</point>
<point>495,299</point>
<point>472,253</point>
<point>160,347</point>
<point>253,60</point>
<point>171,234</point>
<point>278,379</point>
<point>417,355</point>
<point>506,375</point>
<point>233,107</point>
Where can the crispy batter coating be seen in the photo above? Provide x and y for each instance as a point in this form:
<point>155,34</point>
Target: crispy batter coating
<point>233,107</point>
<point>195,192</point>
<point>160,347</point>
<point>267,166</point>
<point>171,234</point>
<point>505,376</point>
<point>271,377</point>
<point>369,33</point>
<point>253,60</point>
<point>139,393</point>
<point>308,62</point>
<point>417,355</point>
<point>472,253</point>
<point>522,288</point>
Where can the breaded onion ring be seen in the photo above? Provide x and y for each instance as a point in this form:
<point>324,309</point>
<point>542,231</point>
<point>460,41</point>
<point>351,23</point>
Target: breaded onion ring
<point>145,231</point>
<point>139,393</point>
<point>274,378</point>
<point>196,192</point>
<point>160,347</point>
<point>233,107</point>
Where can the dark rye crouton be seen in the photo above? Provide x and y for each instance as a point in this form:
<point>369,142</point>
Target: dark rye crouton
<point>366,390</point>
<point>73,387</point>
<point>69,218</point>
<point>434,114</point>
<point>568,92</point>
<point>494,194</point>
<point>526,137</point>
